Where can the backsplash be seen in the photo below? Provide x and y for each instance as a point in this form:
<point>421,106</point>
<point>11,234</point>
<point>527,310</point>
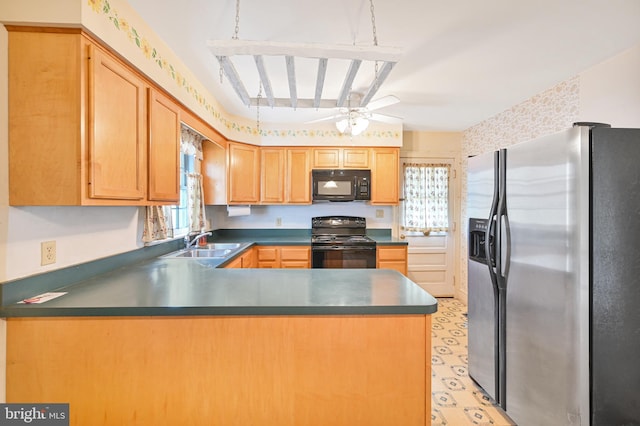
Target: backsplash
<point>299,217</point>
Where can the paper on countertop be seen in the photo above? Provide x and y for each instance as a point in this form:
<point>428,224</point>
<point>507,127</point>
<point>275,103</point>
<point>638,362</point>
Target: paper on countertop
<point>41,298</point>
<point>239,210</point>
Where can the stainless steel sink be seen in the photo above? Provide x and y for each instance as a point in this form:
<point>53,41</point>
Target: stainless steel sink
<point>219,246</point>
<point>204,253</point>
<point>210,251</point>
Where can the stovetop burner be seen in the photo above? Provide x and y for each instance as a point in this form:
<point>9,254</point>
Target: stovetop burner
<point>341,239</point>
<point>340,231</point>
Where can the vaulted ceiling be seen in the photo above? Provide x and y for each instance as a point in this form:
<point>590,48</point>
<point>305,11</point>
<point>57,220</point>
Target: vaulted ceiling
<point>461,61</point>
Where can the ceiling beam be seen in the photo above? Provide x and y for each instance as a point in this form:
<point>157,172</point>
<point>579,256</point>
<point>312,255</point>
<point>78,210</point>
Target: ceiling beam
<point>381,75</point>
<point>348,81</point>
<point>307,50</point>
<point>322,71</point>
<point>234,79</point>
<point>264,78</point>
<point>291,75</point>
<point>300,103</point>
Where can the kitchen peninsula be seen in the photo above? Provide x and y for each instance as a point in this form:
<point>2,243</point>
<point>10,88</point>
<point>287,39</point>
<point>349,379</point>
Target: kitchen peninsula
<point>168,341</point>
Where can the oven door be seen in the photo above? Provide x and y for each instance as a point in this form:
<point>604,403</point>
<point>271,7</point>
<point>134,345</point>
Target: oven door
<point>345,257</point>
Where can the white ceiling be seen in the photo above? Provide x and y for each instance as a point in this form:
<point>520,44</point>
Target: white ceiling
<point>463,61</point>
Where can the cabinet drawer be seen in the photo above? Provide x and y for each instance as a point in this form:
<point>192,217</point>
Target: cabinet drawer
<point>267,254</point>
<point>392,253</point>
<point>295,253</point>
<point>294,264</point>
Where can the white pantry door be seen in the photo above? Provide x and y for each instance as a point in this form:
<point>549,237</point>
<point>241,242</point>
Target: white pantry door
<point>431,258</point>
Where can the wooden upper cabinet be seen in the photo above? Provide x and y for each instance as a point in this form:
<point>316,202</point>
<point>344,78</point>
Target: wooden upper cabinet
<point>243,173</point>
<point>385,175</point>
<point>78,122</point>
<point>326,158</point>
<point>286,176</point>
<point>355,158</point>
<point>214,173</point>
<point>341,158</point>
<point>116,130</point>
<point>272,161</point>
<point>164,148</point>
<point>45,119</point>
<point>298,176</point>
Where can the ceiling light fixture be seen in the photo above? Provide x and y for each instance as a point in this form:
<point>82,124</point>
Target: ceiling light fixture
<point>353,125</point>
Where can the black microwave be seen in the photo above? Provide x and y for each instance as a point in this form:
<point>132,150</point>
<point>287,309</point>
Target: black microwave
<point>341,185</point>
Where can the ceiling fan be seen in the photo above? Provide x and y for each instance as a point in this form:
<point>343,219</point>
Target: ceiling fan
<point>353,120</point>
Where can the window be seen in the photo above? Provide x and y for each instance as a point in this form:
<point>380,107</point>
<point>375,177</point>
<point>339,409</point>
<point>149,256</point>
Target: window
<point>426,197</point>
<point>162,222</point>
<point>180,214</point>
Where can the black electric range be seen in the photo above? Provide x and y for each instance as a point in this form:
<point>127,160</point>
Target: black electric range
<point>341,242</point>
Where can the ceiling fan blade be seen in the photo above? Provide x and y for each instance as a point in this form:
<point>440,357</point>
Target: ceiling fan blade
<point>330,118</point>
<point>386,118</point>
<point>384,101</point>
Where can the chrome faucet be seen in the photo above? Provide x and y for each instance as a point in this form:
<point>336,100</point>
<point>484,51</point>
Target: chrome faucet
<point>188,244</point>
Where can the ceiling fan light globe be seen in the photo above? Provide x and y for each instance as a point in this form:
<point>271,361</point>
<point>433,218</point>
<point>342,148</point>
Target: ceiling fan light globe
<point>359,125</point>
<point>342,125</point>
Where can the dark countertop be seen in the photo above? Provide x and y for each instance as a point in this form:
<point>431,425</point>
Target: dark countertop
<point>169,287</point>
<point>142,282</point>
<point>380,236</point>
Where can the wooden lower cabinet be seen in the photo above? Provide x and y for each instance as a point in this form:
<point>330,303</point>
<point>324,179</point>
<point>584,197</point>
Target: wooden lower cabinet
<point>295,257</point>
<point>268,257</point>
<point>303,370</point>
<point>284,257</point>
<point>392,257</point>
<point>246,260</point>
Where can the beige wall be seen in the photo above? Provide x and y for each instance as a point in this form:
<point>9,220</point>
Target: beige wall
<point>436,145</point>
<point>610,91</point>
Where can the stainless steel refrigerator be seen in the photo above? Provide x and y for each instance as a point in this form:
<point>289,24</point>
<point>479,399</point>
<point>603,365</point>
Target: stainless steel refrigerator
<point>554,277</point>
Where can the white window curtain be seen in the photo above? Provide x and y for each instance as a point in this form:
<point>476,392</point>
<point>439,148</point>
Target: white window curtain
<point>158,219</point>
<point>191,144</point>
<point>157,224</point>
<point>197,216</point>
<point>426,197</point>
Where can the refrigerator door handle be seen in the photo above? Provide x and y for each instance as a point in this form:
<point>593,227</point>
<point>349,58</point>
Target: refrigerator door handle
<point>505,253</point>
<point>492,251</point>
<point>502,224</point>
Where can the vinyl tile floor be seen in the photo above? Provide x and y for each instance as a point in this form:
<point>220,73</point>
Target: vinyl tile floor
<point>456,399</point>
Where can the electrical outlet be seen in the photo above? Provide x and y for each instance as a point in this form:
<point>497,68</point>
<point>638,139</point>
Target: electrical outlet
<point>379,213</point>
<point>47,252</point>
<point>278,221</point>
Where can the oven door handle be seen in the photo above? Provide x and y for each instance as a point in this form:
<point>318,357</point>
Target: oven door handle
<point>343,248</point>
